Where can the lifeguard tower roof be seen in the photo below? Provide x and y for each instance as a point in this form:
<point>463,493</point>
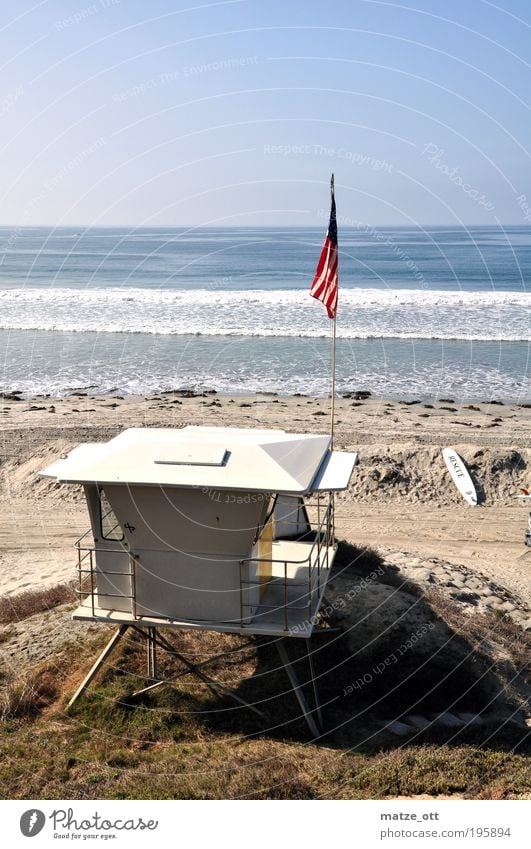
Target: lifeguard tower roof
<point>210,457</point>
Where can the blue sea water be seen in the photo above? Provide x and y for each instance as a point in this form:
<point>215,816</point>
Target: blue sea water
<point>423,312</point>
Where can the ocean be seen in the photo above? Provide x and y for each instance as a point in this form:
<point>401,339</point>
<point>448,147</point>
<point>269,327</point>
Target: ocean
<point>423,312</point>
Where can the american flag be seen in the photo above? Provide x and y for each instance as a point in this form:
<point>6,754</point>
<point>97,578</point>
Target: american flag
<point>325,282</point>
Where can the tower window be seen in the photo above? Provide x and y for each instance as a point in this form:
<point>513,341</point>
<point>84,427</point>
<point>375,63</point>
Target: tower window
<point>110,526</point>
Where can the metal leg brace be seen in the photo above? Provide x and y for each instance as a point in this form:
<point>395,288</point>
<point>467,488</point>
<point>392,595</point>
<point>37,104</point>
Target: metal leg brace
<point>193,669</point>
<point>313,716</point>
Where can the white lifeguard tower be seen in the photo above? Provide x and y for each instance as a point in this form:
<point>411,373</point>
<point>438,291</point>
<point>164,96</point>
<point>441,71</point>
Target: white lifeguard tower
<point>205,528</point>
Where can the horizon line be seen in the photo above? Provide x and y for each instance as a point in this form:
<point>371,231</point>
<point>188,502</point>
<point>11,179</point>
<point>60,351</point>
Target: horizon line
<point>499,226</point>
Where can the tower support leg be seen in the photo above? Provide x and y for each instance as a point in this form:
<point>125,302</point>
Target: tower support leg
<point>318,711</point>
<point>309,715</point>
<point>151,641</point>
<point>115,639</point>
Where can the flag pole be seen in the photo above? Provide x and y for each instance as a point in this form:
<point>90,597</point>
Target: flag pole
<point>333,381</point>
<point>325,288</point>
<point>333,386</point>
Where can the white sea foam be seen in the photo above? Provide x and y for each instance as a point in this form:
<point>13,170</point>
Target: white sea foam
<point>428,383</point>
<point>216,311</point>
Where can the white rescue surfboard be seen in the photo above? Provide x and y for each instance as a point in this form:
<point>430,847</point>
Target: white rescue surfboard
<point>460,476</point>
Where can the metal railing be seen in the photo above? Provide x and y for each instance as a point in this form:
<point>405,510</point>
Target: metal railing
<point>86,572</point>
<point>316,561</point>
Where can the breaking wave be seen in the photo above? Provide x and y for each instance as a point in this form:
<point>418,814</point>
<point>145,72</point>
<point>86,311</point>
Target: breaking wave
<point>212,311</point>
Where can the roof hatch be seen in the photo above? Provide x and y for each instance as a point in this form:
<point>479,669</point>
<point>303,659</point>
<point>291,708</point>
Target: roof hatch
<point>194,454</point>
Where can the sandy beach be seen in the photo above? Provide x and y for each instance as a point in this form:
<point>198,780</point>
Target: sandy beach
<point>456,574</point>
<point>401,499</point>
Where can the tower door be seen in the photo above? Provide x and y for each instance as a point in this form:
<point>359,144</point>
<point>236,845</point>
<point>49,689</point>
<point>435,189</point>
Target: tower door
<point>113,570</point>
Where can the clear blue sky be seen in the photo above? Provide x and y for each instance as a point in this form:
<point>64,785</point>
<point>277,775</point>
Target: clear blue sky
<point>182,112</point>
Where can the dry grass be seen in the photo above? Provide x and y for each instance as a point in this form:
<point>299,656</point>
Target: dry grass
<point>498,635</point>
<point>57,759</point>
<point>357,560</point>
<point>26,695</point>
<point>17,607</point>
<point>184,742</point>
<point>6,635</point>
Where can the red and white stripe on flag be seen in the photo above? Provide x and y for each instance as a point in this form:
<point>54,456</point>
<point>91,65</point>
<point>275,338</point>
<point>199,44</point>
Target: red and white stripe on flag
<point>325,282</point>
